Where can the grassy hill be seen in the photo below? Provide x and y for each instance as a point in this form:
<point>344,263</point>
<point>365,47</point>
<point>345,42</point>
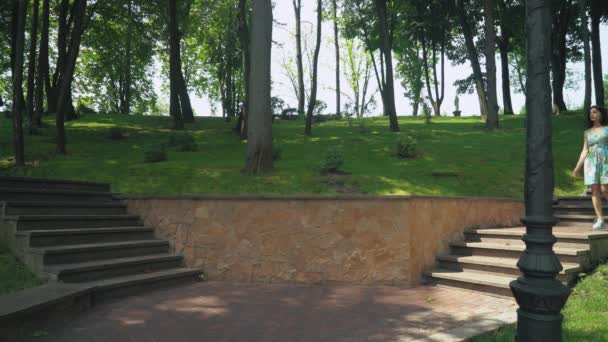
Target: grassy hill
<point>457,157</point>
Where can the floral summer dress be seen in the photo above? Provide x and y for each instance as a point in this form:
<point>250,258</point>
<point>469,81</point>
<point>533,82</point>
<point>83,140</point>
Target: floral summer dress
<point>596,163</point>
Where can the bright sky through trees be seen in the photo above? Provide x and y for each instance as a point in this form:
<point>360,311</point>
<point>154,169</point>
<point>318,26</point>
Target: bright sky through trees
<point>283,36</point>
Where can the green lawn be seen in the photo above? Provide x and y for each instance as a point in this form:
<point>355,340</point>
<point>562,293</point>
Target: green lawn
<point>585,314</point>
<point>14,276</point>
<point>457,157</point>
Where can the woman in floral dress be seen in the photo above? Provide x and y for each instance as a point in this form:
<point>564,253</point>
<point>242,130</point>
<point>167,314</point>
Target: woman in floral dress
<point>595,159</point>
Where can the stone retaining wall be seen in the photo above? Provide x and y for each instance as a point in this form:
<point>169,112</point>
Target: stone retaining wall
<point>318,239</point>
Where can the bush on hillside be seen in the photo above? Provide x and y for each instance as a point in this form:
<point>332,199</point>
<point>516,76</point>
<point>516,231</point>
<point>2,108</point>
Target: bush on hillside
<point>155,153</point>
<point>406,146</point>
<point>289,114</point>
<point>332,160</point>
<point>182,142</point>
<point>324,118</point>
<point>115,133</point>
<point>277,151</point>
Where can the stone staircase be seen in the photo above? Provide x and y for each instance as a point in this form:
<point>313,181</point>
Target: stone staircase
<point>77,232</point>
<point>486,260</point>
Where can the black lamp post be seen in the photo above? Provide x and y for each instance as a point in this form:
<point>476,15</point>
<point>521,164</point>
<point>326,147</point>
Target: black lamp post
<point>539,295</point>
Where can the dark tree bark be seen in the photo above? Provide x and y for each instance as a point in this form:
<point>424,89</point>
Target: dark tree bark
<point>31,72</point>
<point>337,47</point>
<point>437,99</point>
<point>126,103</point>
<point>587,51</point>
<point>387,52</point>
<point>297,7</point>
<point>315,64</point>
<point>598,76</point>
<point>558,57</point>
<point>43,65</point>
<point>175,109</point>
<point>64,101</point>
<point>18,34</point>
<point>244,40</point>
<point>14,30</point>
<point>184,98</point>
<point>259,137</point>
<point>62,37</point>
<point>490,52</point>
<point>503,46</point>
<point>473,58</point>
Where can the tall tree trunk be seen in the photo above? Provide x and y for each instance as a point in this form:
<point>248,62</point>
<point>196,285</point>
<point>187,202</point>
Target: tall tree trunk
<point>490,51</point>
<point>598,76</point>
<point>473,58</point>
<point>43,65</point>
<point>244,40</point>
<point>439,96</point>
<point>126,108</point>
<point>587,51</point>
<point>64,102</point>
<point>503,46</point>
<point>184,98</point>
<point>297,7</point>
<point>14,31</point>
<point>415,105</point>
<point>175,109</point>
<point>427,78</point>
<point>558,57</point>
<point>259,137</point>
<point>315,64</point>
<point>62,38</point>
<point>31,72</point>
<point>337,47</point>
<point>18,35</point>
<point>387,51</point>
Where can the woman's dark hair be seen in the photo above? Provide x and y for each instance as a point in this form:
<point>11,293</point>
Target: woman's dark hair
<point>603,120</point>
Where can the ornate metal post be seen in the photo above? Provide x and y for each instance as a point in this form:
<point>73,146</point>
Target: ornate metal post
<point>539,295</point>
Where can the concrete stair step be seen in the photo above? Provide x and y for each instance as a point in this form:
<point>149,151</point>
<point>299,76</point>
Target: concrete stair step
<point>135,284</point>
<point>98,251</point>
<point>41,222</point>
<point>48,195</point>
<point>570,255</point>
<point>489,283</point>
<point>63,208</point>
<point>576,217</point>
<point>514,236</point>
<point>55,184</point>
<point>108,268</point>
<point>497,265</point>
<point>45,238</point>
<point>581,208</point>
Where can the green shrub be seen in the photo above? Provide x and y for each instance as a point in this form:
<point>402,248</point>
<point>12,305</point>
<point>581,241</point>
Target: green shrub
<point>332,159</point>
<point>115,133</point>
<point>183,142</point>
<point>406,146</point>
<point>277,151</point>
<point>155,153</point>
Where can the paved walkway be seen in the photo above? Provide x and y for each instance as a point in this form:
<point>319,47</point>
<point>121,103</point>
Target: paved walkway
<point>217,312</point>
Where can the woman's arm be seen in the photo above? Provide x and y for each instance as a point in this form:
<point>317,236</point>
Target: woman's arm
<point>581,158</point>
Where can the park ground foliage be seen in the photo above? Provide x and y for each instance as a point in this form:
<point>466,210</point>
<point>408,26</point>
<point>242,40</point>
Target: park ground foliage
<point>451,156</point>
<point>14,276</point>
<point>585,313</point>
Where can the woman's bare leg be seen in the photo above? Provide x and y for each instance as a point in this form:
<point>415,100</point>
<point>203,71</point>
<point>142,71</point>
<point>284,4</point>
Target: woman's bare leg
<point>596,200</point>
